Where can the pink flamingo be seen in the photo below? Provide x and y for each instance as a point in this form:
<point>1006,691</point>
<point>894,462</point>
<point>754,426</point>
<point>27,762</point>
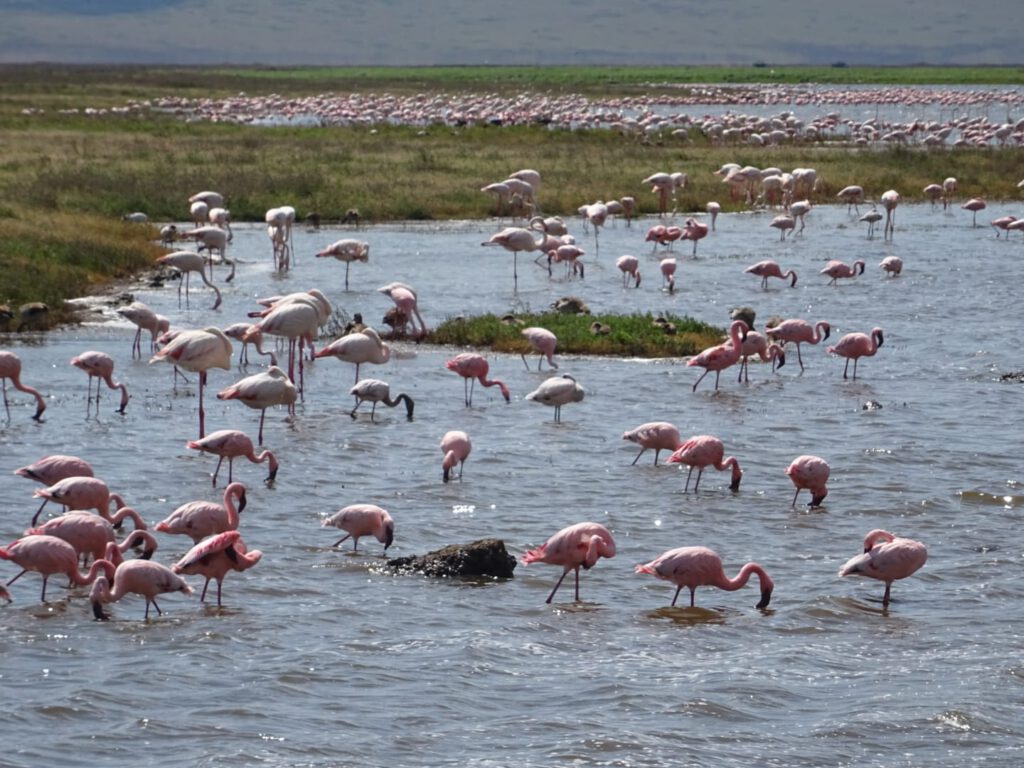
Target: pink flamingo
<point>363,520</point>
<point>890,199</point>
<point>713,210</point>
<point>852,195</point>
<point>894,558</point>
<point>892,265</point>
<point>573,547</point>
<point>974,205</point>
<point>1003,223</point>
<point>405,301</point>
<point>296,319</point>
<point>872,217</point>
<point>569,254</point>
<point>854,346</point>
<point>238,332</point>
<point>232,444</point>
<point>347,250</point>
<point>144,319</point>
<point>630,268</point>
<point>784,223</point>
<point>668,273</point>
<point>516,239</point>
<point>542,341</point>
<point>934,192</point>
<point>659,435</point>
<point>10,368</point>
<point>950,186</point>
<point>756,344</point>
<point>47,555</point>
<point>720,357</point>
<point>696,231</point>
<point>187,262</point>
<point>837,269</point>
<point>214,557</point>
<point>596,213</point>
<point>89,534</point>
<point>52,469</point>
<point>262,390</point>
<point>658,234</point>
<point>358,347</point>
<point>810,472</point>
<point>79,493</point>
<point>556,392</point>
<point>472,368</point>
<point>198,351</point>
<point>199,519</point>
<point>140,577</point>
<point>799,332</point>
<point>768,268</point>
<point>100,365</point>
<point>377,391</point>
<point>703,451</point>
<point>455,446</point>
<point>693,567</point>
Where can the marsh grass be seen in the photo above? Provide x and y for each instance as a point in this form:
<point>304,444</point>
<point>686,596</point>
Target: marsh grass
<point>627,336</point>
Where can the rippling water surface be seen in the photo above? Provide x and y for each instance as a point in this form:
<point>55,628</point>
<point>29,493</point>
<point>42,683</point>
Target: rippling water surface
<point>319,659</point>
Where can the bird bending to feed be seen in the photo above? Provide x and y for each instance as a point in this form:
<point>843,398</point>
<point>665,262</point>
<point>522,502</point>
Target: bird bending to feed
<point>144,319</point>
<point>199,519</point>
<point>377,391</point>
<point>576,546</point>
<point>472,368</point>
<point>455,446</point>
<point>854,346</point>
<point>659,435</point>
<point>756,344</point>
<point>542,341</point>
<point>187,262</point>
<point>363,520</point>
<point>90,534</point>
<point>262,390</point>
<point>75,492</point>
<point>703,451</point>
<point>405,301</point>
<point>360,347</point>
<point>231,444</point>
<point>810,472</point>
<point>668,273</point>
<point>837,269</point>
<point>140,577</point>
<point>238,332</point>
<point>10,368</point>
<point>721,356</point>
<point>212,558</point>
<point>347,250</point>
<point>892,265</point>
<point>556,392</point>
<point>198,351</point>
<point>630,268</point>
<point>52,469</point>
<point>693,567</point>
<point>47,555</point>
<point>768,268</point>
<point>799,331</point>
<point>99,365</point>
<point>887,558</point>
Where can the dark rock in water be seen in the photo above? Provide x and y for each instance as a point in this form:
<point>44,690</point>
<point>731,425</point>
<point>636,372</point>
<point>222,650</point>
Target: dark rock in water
<point>871,405</point>
<point>1012,376</point>
<point>485,557</point>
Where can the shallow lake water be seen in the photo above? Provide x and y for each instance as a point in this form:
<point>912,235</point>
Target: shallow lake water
<point>318,658</point>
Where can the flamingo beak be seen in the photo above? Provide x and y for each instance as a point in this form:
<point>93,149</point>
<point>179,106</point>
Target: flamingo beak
<point>766,596</point>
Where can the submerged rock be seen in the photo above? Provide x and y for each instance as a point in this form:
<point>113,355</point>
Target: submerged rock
<point>485,557</point>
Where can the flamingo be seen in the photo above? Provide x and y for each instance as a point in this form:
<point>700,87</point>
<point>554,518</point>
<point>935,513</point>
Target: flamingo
<point>212,239</point>
<point>628,204</point>
<point>799,210</point>
<point>214,557</point>
<point>768,268</point>
<point>556,392</point>
<point>347,250</point>
<point>872,217</point>
<point>720,357</point>
<point>756,344</point>
<point>569,254</point>
<point>473,367</point>
<point>85,492</point>
<point>48,555</point>
<point>853,346</point>
<point>516,239</point>
<point>886,557</point>
<point>933,192</point>
<point>713,210</point>
<point>663,185</point>
<point>198,351</point>
<point>852,196</point>
<point>890,199</point>
<point>221,217</point>
<point>576,546</point>
<point>949,188</point>
<point>99,365</point>
<point>702,451</point>
<point>892,265</point>
<point>363,520</point>
<point>837,269</point>
<point>297,317</point>
<point>238,331</point>
<point>668,274</point>
<point>455,445</point>
<point>810,472</point>
<point>377,391</point>
<point>630,268</point>
<point>212,199</point>
<point>1003,223</point>
<point>659,435</point>
<point>10,368</point>
<point>262,390</point>
<point>596,213</point>
<point>696,231</point>
<point>658,234</point>
<point>358,347</point>
<point>145,319</point>
<point>542,341</point>
<point>199,212</point>
<point>799,331</point>
<point>501,192</point>
<point>694,567</point>
<point>405,301</point>
<point>54,468</point>
<point>199,519</point>
<point>140,577</point>
<point>232,444</point>
<point>89,534</point>
<point>784,223</point>
<point>187,262</point>
<point>974,205</point>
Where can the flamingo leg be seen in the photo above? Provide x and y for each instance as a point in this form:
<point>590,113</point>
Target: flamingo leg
<point>219,462</point>
<point>219,584</point>
<point>693,592</point>
<point>577,572</point>
<point>20,574</point>
<point>641,454</point>
<point>847,367</point>
<point>688,474</point>
<point>697,484</point>
<point>347,265</point>
<point>43,596</point>
<point>202,597</point>
<point>885,597</point>
<point>347,535</point>
<point>557,585</point>
<point>676,596</point>
<point>263,414</point>
<point>202,413</point>
<point>698,381</point>
<point>794,497</point>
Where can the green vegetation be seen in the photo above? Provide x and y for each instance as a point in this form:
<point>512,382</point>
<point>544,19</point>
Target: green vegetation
<point>625,335</point>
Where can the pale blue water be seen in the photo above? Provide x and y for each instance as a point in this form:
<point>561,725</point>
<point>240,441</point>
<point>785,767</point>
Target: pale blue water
<point>319,659</point>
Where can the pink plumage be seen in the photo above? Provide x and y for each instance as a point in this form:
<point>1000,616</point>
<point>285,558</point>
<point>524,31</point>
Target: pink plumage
<point>886,557</point>
<point>694,567</point>
<point>576,546</point>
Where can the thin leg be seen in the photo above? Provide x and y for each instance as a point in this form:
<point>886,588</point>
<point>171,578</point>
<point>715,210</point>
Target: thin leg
<point>641,454</point>
<point>219,462</point>
<point>676,596</point>
<point>202,413</point>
